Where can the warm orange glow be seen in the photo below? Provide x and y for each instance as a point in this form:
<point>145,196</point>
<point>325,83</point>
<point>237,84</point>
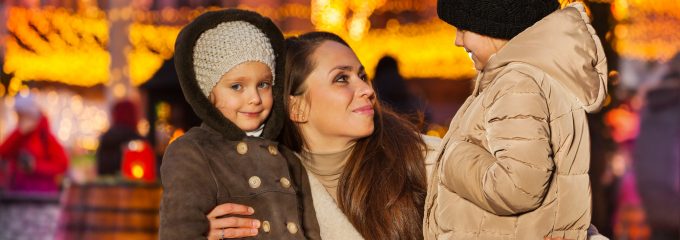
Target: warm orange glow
<point>176,134</point>
<point>623,122</point>
<point>72,48</point>
<point>55,44</point>
<point>137,171</point>
<point>62,47</point>
<point>647,30</point>
<point>439,58</point>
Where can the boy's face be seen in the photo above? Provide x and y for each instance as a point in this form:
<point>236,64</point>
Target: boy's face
<point>244,95</point>
<point>479,47</point>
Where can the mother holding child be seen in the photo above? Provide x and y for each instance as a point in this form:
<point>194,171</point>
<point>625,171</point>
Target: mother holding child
<point>513,164</point>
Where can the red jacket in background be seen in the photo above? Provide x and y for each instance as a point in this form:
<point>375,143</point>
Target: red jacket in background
<point>49,158</point>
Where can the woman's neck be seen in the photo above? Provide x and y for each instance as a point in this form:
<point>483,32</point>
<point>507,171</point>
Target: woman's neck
<point>319,143</point>
<point>327,167</point>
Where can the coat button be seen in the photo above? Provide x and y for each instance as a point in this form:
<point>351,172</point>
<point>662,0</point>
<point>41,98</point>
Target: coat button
<point>266,227</point>
<point>273,150</point>
<point>285,183</point>
<point>292,228</point>
<point>254,182</point>
<point>242,148</point>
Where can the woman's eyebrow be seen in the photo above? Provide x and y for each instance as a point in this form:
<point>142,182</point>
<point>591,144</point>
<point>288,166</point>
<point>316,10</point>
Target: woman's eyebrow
<point>346,68</point>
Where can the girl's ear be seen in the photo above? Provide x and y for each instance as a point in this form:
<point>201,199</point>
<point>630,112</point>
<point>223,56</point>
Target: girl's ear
<point>298,109</point>
<point>211,98</point>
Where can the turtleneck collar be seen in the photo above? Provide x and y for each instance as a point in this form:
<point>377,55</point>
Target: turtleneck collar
<point>327,167</point>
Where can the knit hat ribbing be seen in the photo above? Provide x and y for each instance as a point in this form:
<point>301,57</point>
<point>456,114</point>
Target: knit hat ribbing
<point>222,48</point>
<point>502,19</point>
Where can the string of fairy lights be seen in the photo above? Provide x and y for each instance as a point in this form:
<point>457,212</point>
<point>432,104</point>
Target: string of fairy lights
<point>54,44</point>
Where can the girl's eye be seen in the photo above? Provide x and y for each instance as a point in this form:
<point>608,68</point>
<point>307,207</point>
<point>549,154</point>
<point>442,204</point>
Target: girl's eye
<point>236,87</point>
<point>264,85</point>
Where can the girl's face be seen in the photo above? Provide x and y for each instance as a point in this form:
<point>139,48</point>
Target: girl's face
<point>244,95</point>
<point>338,100</point>
<point>479,47</point>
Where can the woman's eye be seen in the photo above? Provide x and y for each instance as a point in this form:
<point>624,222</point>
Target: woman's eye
<point>236,87</point>
<point>364,77</point>
<point>264,85</point>
<point>341,78</point>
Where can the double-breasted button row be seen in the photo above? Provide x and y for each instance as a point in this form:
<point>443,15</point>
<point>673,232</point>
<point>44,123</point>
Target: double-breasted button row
<point>242,148</point>
<point>292,227</point>
<point>256,182</point>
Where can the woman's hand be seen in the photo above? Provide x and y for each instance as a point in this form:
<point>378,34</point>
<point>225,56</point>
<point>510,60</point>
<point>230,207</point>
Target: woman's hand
<point>232,227</point>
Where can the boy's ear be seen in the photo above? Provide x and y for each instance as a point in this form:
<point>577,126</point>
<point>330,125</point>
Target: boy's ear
<point>298,109</point>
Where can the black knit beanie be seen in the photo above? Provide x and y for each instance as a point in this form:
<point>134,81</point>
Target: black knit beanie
<point>502,19</point>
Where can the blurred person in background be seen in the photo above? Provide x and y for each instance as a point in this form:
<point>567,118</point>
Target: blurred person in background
<point>657,150</point>
<point>392,91</point>
<point>123,130</point>
<point>36,160</point>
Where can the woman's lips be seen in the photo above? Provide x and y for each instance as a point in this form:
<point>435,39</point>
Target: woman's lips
<point>367,110</point>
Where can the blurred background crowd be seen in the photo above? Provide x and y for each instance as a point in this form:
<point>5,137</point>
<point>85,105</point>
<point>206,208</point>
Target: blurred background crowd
<point>89,100</point>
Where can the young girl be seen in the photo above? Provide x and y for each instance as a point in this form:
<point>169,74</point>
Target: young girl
<point>230,66</point>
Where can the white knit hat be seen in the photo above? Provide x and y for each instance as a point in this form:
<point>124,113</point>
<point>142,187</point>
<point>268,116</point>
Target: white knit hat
<point>26,105</point>
<point>222,48</point>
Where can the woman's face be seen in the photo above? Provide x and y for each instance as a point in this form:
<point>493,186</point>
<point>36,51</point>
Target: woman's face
<point>479,47</point>
<point>338,100</point>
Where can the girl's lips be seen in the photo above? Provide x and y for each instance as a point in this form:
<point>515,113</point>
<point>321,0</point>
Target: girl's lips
<point>251,114</point>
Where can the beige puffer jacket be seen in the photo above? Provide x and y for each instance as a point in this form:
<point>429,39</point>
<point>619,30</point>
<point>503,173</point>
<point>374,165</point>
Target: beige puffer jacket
<point>514,164</point>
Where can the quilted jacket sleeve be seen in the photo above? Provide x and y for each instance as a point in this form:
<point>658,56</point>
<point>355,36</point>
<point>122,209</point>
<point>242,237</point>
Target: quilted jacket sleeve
<point>513,175</point>
<point>188,192</point>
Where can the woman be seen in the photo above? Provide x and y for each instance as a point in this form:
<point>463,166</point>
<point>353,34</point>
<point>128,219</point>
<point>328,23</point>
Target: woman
<point>366,182</point>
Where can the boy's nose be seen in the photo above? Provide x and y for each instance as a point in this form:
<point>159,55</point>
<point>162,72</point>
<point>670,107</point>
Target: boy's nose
<point>459,38</point>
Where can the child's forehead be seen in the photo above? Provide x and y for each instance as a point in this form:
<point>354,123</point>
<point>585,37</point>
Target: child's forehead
<point>248,71</point>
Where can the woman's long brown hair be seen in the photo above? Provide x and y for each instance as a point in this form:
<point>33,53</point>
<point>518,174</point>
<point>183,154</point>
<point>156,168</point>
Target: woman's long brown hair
<point>382,188</point>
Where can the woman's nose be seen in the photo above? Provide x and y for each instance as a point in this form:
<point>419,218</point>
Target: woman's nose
<point>365,90</point>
